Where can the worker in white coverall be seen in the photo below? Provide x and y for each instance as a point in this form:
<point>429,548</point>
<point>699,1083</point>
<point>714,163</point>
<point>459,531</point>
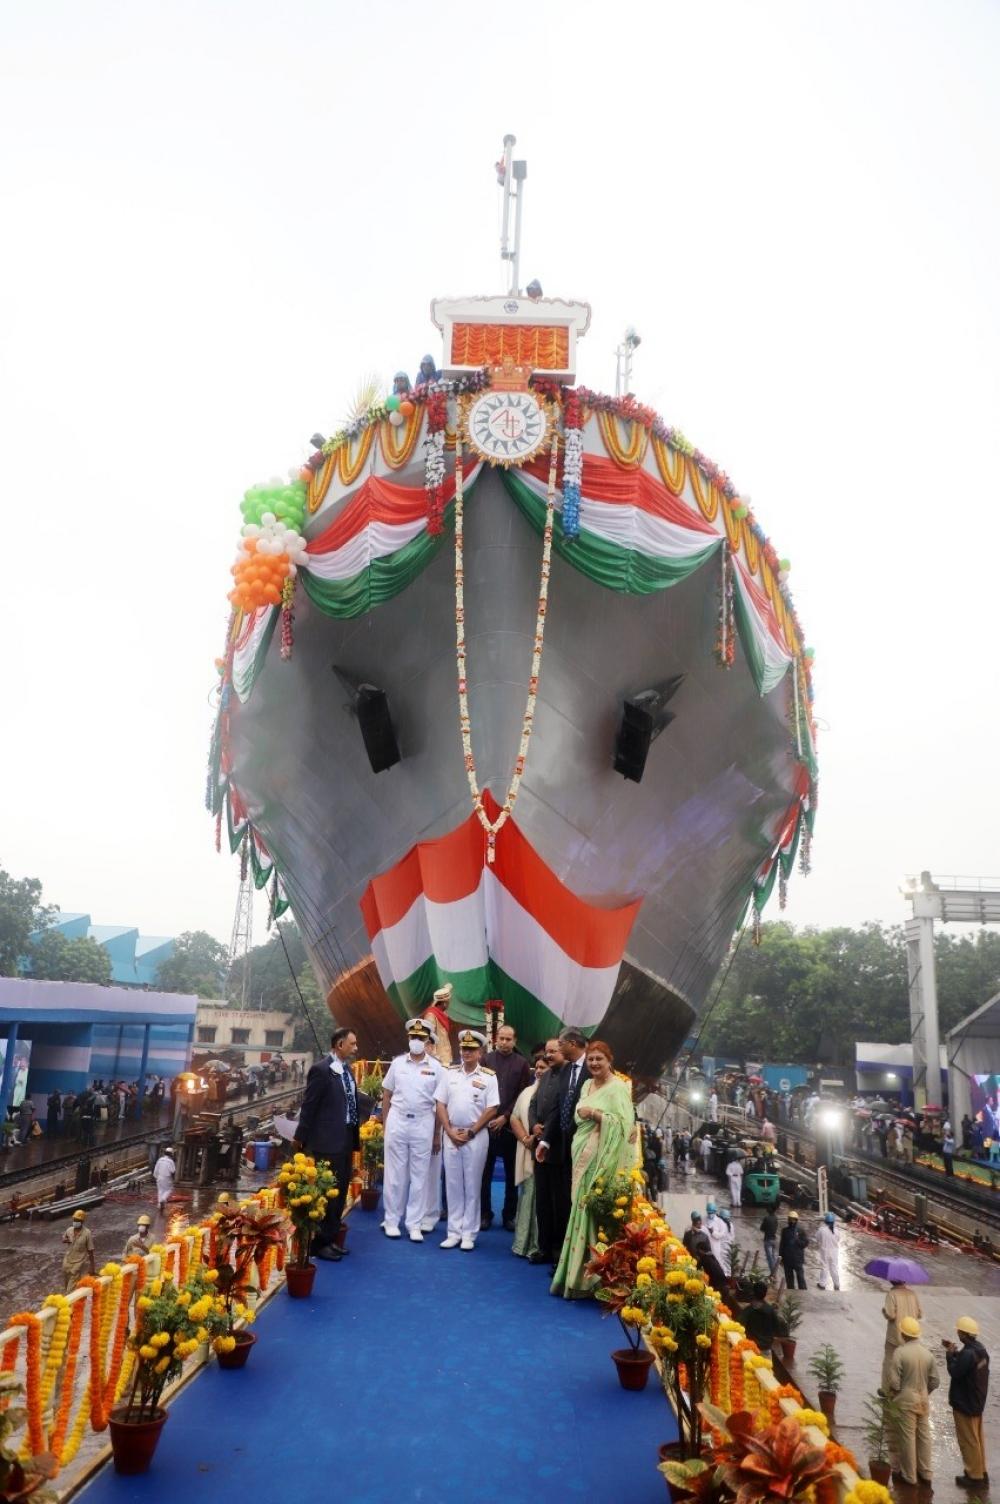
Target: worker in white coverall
<point>468,1096</point>
<point>408,1117</point>
<point>164,1172</point>
<point>734,1174</point>
<point>829,1252</point>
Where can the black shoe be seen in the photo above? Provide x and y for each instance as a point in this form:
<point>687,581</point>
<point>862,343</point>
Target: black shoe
<point>509,1225</point>
<point>329,1255</point>
<point>964,1481</point>
<point>539,1258</point>
<point>486,1224</point>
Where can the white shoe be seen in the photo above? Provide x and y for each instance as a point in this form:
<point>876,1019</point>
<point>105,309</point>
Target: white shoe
<point>451,1241</point>
<point>416,1236</point>
<point>468,1244</point>
<point>393,1232</point>
<point>428,1226</point>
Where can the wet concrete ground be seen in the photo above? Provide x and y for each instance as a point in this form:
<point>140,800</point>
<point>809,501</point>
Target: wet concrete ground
<point>31,1253</point>
<point>851,1320</point>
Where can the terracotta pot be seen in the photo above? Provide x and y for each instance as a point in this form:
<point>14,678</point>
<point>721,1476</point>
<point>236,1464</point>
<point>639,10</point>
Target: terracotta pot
<point>240,1353</point>
<point>340,1236</point>
<point>633,1367</point>
<point>299,1279</point>
<point>788,1345</point>
<point>369,1198</point>
<point>133,1442</point>
<point>828,1403</point>
<point>672,1451</point>
<point>880,1470</point>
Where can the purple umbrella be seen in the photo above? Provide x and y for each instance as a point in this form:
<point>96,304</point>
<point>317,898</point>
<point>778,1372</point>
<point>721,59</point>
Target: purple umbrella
<point>898,1269</point>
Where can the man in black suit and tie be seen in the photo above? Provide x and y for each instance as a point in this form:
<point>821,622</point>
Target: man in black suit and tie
<point>329,1121</point>
<point>556,1141</point>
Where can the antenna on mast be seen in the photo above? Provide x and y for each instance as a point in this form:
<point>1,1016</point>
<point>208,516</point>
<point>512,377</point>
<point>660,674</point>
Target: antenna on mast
<point>623,361</point>
<point>511,176</point>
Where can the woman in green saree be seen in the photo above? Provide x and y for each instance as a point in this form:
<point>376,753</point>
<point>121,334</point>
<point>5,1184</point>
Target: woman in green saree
<point>601,1146</point>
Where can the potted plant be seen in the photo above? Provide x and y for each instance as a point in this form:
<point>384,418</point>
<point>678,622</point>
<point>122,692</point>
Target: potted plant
<point>19,1478</point>
<point>243,1235</point>
<point>166,1331</point>
<point>372,1160</point>
<point>880,1414</point>
<point>790,1316</point>
<point>776,1461</point>
<point>634,1361</point>
<point>610,1203</point>
<point>681,1315</point>
<point>828,1371</point>
<point>693,1478</point>
<point>306,1184</point>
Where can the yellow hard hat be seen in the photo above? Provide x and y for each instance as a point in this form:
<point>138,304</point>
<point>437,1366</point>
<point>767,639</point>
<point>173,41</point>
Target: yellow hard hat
<point>79,1215</point>
<point>968,1326</point>
<point>793,1216</point>
<point>223,1197</point>
<point>144,1221</point>
<point>910,1326</point>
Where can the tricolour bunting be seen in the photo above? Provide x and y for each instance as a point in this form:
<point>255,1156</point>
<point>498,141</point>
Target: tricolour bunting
<point>511,930</point>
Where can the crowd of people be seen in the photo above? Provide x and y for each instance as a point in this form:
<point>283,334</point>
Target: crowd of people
<point>558,1123</point>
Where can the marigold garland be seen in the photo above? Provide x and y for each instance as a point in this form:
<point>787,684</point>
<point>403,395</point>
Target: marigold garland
<point>58,1433</point>
<point>35,1438</point>
<point>493,827</point>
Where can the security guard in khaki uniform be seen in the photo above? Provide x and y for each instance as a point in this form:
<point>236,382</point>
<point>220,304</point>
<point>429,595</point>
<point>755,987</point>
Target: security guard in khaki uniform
<point>138,1242</point>
<point>408,1117</point>
<point>467,1097</point>
<point>912,1378</point>
<point>79,1256</point>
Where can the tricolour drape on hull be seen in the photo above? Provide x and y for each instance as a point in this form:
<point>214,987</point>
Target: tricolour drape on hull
<point>510,931</point>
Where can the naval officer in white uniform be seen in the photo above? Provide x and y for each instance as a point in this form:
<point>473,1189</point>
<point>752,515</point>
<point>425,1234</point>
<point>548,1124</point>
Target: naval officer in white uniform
<point>433,1198</point>
<point>468,1096</point>
<point>408,1114</point>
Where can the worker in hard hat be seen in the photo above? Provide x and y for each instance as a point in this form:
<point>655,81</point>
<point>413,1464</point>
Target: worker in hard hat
<point>139,1241</point>
<point>912,1380</point>
<point>829,1252</point>
<point>792,1252</point>
<point>79,1256</point>
<point>969,1372</point>
<point>899,1302</point>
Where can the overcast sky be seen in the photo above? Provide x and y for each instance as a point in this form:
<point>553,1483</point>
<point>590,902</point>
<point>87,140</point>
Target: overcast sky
<point>218,217</point>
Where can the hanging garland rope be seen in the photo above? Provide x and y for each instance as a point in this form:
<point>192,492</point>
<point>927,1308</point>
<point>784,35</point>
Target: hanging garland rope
<point>493,827</point>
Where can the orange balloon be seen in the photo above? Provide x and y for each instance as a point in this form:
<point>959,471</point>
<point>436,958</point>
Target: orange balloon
<point>273,595</point>
<point>407,408</point>
<point>251,545</point>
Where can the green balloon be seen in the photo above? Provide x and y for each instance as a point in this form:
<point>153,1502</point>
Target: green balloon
<point>392,403</point>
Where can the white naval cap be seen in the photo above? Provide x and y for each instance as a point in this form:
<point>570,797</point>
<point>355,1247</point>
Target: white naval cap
<point>471,1037</point>
<point>417,1028</point>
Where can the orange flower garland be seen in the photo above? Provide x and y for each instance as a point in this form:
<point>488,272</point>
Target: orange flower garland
<point>10,1355</point>
<point>117,1350</point>
<point>35,1440</point>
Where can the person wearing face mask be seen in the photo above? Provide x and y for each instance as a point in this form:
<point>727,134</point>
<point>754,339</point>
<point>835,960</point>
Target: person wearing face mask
<point>408,1117</point>
<point>330,1119</point>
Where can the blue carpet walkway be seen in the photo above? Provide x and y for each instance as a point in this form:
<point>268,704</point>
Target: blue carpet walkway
<point>414,1374</point>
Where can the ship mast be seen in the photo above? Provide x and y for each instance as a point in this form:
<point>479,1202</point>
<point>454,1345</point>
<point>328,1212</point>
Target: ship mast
<point>511,176</point>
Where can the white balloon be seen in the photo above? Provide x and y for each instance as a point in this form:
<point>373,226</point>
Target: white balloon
<point>395,418</point>
<point>251,530</point>
<point>300,556</point>
<point>268,518</point>
<point>275,483</point>
<point>292,570</point>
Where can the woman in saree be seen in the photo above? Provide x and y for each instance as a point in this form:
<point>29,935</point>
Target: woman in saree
<point>526,1228</point>
<point>605,1120</point>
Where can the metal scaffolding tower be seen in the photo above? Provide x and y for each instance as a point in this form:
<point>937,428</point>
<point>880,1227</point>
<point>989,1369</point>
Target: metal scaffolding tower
<point>242,939</point>
<point>955,901</point>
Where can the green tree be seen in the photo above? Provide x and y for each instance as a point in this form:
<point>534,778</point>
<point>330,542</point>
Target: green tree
<point>198,965</point>
<point>53,957</point>
<point>21,912</point>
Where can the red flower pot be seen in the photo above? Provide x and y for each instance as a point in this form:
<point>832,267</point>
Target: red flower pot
<point>133,1442</point>
<point>881,1471</point>
<point>633,1367</point>
<point>828,1403</point>
<point>369,1198</point>
<point>240,1353</point>
<point>300,1278</point>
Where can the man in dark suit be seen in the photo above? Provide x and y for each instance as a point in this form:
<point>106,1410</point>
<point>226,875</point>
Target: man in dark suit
<point>329,1122</point>
<point>545,1100</point>
<point>556,1142</point>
